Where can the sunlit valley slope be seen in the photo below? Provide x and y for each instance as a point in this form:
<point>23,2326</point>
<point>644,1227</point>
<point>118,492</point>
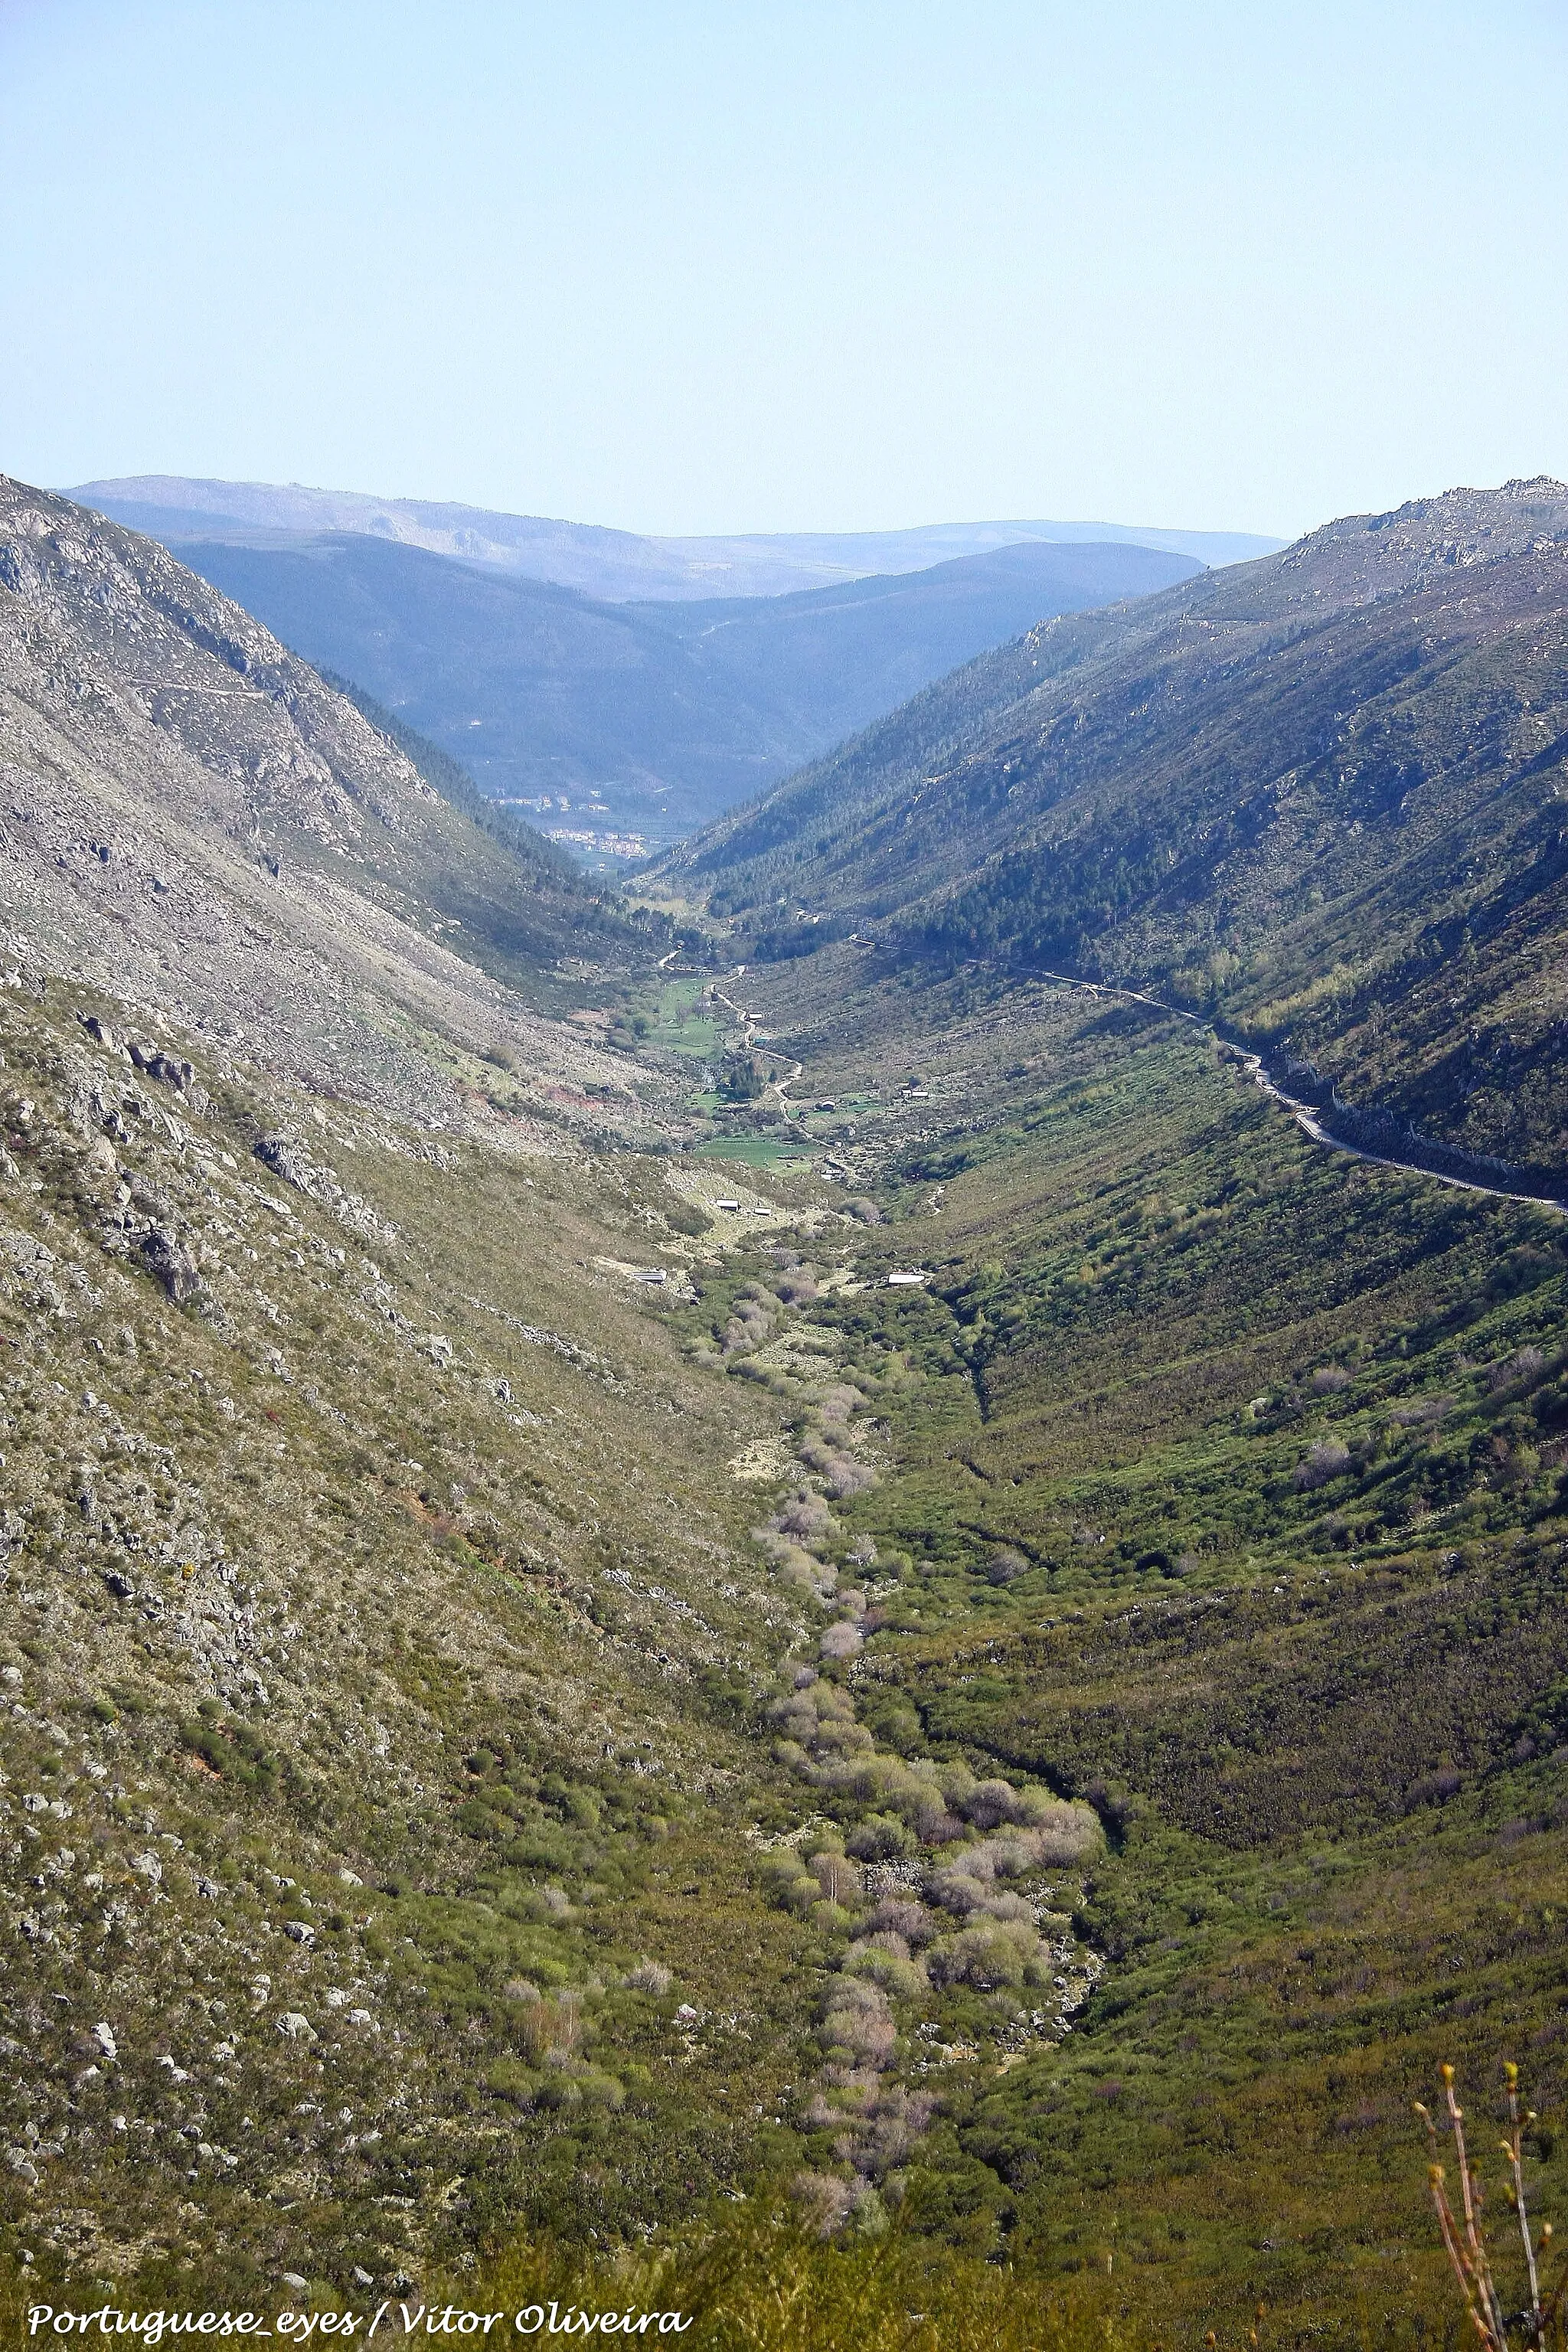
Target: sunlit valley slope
<point>1228,1486</point>
<point>1318,795</point>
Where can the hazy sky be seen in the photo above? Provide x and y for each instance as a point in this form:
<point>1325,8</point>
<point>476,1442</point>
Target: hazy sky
<point>689,268</point>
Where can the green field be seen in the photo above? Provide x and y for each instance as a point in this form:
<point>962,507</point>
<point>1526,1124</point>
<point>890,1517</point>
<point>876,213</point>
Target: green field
<point>756,1151</point>
<point>679,1027</point>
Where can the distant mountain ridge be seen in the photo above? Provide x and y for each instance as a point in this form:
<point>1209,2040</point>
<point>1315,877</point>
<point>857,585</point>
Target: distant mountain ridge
<point>615,566</point>
<point>633,721</point>
<point>1325,794</point>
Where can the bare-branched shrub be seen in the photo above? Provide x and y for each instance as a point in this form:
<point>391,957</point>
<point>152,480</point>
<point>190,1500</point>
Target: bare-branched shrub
<point>551,2028</point>
<point>830,2203</point>
<point>795,1720</point>
<point>935,1825</point>
<point>857,2020</point>
<point>898,1914</point>
<point>991,1802</point>
<point>846,1476</point>
<point>1063,1833</point>
<point>1052,1832</point>
<point>1007,1907</point>
<point>650,1976</point>
<point>836,1874</point>
<point>805,1515</point>
<point>1329,1458</point>
<point>956,1890</point>
<point>886,2129</point>
<point>1420,1410</point>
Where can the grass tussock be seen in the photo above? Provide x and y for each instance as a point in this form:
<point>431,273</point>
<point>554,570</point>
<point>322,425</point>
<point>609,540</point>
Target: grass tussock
<point>758,2281</point>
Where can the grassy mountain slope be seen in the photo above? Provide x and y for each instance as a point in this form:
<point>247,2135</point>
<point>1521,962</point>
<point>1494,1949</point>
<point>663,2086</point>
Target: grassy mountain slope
<point>400,1843</point>
<point>1225,1482</point>
<point>1318,796</point>
<point>664,714</point>
<point>356,1688</point>
<point>357,1635</point>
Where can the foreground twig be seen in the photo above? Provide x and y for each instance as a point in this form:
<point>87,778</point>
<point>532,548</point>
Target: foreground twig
<point>1465,2241</point>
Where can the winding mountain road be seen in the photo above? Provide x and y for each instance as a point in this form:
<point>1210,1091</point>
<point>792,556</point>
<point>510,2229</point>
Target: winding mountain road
<point>748,1022</point>
<point>1305,1116</point>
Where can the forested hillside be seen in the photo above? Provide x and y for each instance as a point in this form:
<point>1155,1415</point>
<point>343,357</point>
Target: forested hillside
<point>836,658</point>
<point>1318,796</point>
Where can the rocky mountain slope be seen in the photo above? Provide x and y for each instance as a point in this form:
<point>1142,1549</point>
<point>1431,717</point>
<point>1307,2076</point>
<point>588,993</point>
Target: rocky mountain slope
<point>1318,795</point>
<point>609,564</point>
<point>189,817</point>
<point>310,1502</point>
<point>651,718</point>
